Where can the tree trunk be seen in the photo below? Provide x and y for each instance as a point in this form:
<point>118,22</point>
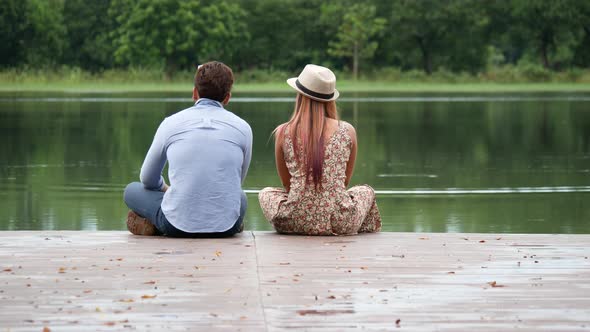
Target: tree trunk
<point>170,69</point>
<point>545,41</point>
<point>426,56</point>
<point>355,62</point>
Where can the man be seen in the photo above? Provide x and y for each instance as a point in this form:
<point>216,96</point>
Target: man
<point>208,150</point>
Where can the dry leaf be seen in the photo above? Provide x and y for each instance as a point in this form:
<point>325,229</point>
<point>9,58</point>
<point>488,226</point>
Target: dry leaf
<point>88,291</point>
<point>7,270</point>
<point>151,282</point>
<point>109,323</point>
<point>127,300</point>
<point>482,241</point>
<point>498,238</point>
<point>284,263</point>
<point>494,284</point>
<point>148,296</point>
<point>97,309</point>
<point>218,253</point>
<point>451,272</point>
<point>364,268</point>
<point>397,322</point>
<point>423,238</point>
<point>324,312</point>
<point>243,317</point>
<point>46,329</point>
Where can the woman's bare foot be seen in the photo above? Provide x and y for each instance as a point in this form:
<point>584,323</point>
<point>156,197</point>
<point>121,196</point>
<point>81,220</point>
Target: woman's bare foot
<point>139,225</point>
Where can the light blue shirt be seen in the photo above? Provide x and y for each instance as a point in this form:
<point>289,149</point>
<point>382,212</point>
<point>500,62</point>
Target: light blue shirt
<point>208,150</point>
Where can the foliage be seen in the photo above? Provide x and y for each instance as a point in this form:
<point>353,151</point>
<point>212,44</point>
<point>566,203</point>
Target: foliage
<point>175,34</point>
<point>551,27</point>
<point>447,38</point>
<point>439,33</point>
<point>355,35</point>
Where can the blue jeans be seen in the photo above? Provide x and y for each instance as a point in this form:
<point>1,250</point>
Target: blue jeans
<point>147,203</point>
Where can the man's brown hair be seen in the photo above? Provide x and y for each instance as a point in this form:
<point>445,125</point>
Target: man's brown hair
<point>214,80</point>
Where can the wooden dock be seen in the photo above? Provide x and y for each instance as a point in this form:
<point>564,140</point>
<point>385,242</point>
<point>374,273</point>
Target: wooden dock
<point>262,281</point>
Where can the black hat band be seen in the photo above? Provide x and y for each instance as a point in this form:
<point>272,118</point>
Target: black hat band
<point>313,93</point>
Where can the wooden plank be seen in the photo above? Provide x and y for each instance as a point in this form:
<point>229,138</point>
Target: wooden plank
<point>262,281</point>
<point>72,281</point>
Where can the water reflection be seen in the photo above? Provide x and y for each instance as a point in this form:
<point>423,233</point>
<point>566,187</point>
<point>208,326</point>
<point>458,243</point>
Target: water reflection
<point>493,163</point>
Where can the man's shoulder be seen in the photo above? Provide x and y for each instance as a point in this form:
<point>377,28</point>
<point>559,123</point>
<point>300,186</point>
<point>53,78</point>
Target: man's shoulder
<point>238,120</point>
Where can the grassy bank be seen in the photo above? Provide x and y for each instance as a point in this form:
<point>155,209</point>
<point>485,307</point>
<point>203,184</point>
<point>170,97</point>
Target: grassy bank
<point>344,87</point>
<point>385,80</point>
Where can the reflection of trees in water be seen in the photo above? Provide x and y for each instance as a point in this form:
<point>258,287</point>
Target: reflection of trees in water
<point>439,145</point>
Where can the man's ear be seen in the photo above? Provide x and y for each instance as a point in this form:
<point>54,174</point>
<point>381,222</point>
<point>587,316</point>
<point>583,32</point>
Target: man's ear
<point>227,98</point>
<point>195,94</point>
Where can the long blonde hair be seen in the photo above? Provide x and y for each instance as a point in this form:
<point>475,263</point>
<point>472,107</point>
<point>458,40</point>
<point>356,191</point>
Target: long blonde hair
<point>306,127</point>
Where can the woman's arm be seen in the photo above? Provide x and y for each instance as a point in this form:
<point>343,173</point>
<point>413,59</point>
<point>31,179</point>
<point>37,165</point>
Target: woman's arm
<point>280,159</point>
<point>352,158</point>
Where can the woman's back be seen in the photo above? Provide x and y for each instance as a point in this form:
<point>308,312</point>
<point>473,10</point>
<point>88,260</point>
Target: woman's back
<point>315,155</point>
<point>338,145</point>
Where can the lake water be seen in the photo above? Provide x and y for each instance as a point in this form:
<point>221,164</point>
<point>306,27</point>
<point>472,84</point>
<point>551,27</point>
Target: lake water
<point>514,163</point>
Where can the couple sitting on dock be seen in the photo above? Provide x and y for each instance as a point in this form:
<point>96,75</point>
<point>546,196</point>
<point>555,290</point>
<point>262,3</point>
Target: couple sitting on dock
<point>208,150</point>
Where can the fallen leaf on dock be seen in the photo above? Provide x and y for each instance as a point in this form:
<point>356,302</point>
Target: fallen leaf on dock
<point>324,312</point>
<point>109,323</point>
<point>218,253</point>
<point>423,238</point>
<point>450,272</point>
<point>46,329</point>
<point>148,296</point>
<point>284,263</point>
<point>397,322</point>
<point>482,241</point>
<point>494,284</point>
<point>151,282</point>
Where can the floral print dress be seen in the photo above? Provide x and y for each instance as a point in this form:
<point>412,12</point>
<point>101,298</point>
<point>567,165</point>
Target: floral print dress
<point>332,210</point>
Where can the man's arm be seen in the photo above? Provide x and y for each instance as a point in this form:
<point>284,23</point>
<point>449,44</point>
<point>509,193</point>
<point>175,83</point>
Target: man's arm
<point>247,153</point>
<point>155,160</point>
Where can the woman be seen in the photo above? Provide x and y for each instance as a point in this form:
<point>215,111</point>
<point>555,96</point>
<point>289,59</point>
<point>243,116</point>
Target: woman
<point>315,155</point>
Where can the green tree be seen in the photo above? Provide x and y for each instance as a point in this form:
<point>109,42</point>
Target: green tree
<point>32,32</point>
<point>285,34</point>
<point>88,27</point>
<point>174,33</point>
<point>12,26</point>
<point>445,32</point>
<point>550,26</point>
<point>355,37</point>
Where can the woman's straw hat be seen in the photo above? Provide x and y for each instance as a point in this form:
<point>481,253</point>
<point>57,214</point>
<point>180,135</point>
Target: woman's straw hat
<point>316,82</point>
